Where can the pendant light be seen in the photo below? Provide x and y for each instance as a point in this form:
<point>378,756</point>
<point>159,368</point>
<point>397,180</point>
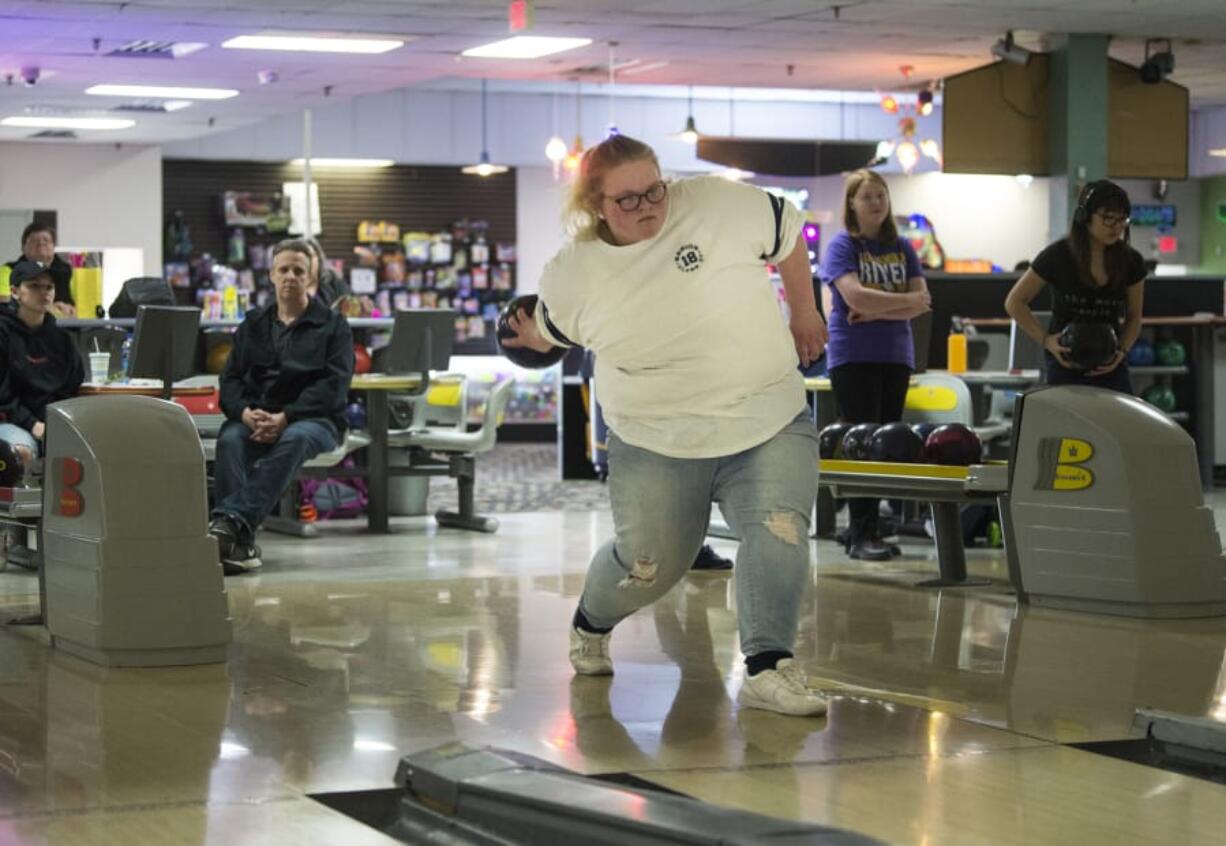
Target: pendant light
<point>690,134</point>
<point>612,130</point>
<point>571,162</point>
<point>555,148</point>
<point>483,166</point>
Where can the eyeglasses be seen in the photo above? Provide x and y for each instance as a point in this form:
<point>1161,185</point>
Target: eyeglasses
<point>631,202</point>
<point>1114,220</point>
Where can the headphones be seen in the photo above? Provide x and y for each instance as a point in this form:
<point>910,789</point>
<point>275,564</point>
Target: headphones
<point>1081,214</point>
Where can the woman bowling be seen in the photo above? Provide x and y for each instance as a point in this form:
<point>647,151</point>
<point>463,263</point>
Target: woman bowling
<point>876,286</point>
<point>1096,277</point>
<point>667,285</point>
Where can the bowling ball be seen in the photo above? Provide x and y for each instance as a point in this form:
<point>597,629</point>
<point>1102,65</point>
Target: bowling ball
<point>855,441</point>
<point>1160,397</point>
<point>11,470</point>
<point>953,443</point>
<point>1090,344</point>
<point>523,356</point>
<point>361,358</point>
<point>1170,353</point>
<point>830,440</point>
<point>215,360</point>
<point>355,415</point>
<point>895,442</point>
<point>1141,354</point>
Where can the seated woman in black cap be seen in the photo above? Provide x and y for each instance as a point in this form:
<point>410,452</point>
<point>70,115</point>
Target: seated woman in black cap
<point>41,364</point>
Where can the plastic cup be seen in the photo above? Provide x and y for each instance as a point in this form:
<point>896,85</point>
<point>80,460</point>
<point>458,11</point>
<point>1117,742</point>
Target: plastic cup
<point>99,366</point>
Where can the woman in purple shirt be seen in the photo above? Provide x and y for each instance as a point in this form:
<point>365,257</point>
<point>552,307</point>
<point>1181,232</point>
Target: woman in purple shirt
<point>876,287</point>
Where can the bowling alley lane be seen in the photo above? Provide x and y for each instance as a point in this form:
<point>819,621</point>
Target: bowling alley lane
<point>343,662</point>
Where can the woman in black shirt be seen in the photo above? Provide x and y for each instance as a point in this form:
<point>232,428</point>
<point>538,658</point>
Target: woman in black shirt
<point>1096,277</point>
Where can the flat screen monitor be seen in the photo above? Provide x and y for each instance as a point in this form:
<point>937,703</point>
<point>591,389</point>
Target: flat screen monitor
<point>422,341</point>
<point>164,344</point>
<point>1024,353</point>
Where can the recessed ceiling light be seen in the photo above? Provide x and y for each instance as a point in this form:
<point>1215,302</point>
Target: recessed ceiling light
<point>166,91</point>
<point>68,122</point>
<point>525,47</point>
<point>346,162</point>
<point>313,43</point>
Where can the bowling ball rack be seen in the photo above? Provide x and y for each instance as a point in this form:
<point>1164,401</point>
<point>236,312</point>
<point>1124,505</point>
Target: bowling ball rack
<point>946,488</point>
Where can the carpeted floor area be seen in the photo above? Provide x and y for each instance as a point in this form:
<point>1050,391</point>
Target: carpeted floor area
<point>522,477</point>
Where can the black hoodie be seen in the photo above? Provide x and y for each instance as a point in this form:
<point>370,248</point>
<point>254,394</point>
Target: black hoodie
<point>41,366</point>
<point>61,275</point>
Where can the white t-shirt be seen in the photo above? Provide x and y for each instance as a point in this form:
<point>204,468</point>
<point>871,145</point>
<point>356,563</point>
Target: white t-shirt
<point>693,358</point>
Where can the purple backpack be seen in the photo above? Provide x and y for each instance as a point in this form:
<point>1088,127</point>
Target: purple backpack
<point>341,496</point>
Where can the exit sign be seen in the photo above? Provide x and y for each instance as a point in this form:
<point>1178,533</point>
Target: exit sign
<point>519,15</point>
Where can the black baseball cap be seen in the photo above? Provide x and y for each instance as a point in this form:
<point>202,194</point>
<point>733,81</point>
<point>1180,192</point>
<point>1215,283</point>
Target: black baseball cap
<point>24,271</point>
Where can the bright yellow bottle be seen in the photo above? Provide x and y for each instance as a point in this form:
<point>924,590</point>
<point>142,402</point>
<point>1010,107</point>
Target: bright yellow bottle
<point>956,350</point>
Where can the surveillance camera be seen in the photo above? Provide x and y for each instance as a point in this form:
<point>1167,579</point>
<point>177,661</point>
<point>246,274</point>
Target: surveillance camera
<point>30,75</point>
<point>1006,50</point>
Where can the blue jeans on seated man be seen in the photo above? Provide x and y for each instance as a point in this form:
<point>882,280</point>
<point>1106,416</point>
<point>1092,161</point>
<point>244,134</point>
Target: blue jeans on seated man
<point>249,477</point>
<point>19,437</point>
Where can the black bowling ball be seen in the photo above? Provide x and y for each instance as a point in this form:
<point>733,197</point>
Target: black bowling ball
<point>523,356</point>
<point>855,441</point>
<point>896,442</point>
<point>11,469</point>
<point>830,440</point>
<point>1090,345</point>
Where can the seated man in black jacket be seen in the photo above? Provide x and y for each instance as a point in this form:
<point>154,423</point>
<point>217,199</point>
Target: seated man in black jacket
<point>38,244</point>
<point>283,392</point>
<point>39,363</point>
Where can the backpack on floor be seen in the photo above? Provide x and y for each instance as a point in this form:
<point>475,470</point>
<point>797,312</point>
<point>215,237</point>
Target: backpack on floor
<point>335,497</point>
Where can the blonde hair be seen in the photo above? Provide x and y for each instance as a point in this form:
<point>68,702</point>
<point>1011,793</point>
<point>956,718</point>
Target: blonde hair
<point>581,213</point>
<point>855,179</point>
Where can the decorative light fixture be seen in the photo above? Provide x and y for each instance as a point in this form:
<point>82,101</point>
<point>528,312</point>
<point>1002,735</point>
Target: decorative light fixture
<point>313,44</point>
<point>555,147</point>
<point>571,162</point>
<point>161,92</point>
<point>690,134</point>
<point>483,166</point>
<point>525,47</point>
<point>612,129</point>
<point>904,147</point>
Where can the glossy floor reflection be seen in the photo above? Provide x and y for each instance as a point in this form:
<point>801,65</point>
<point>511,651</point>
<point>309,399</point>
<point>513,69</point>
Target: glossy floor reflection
<point>350,651</point>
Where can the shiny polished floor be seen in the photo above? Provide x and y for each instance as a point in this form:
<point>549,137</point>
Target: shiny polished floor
<point>947,726</point>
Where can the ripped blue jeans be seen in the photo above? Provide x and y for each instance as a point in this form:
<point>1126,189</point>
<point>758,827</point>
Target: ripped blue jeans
<point>661,507</point>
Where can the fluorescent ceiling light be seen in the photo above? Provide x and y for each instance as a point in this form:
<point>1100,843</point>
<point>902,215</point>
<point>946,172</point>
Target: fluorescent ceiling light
<point>525,47</point>
<point>346,162</point>
<point>313,43</point>
<point>161,91</point>
<point>175,105</point>
<point>1220,152</point>
<point>68,122</point>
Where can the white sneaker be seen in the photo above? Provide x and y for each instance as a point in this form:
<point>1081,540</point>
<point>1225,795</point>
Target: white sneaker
<point>589,653</point>
<point>782,690</point>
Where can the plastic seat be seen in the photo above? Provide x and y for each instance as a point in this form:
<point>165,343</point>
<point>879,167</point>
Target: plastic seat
<point>452,451</point>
